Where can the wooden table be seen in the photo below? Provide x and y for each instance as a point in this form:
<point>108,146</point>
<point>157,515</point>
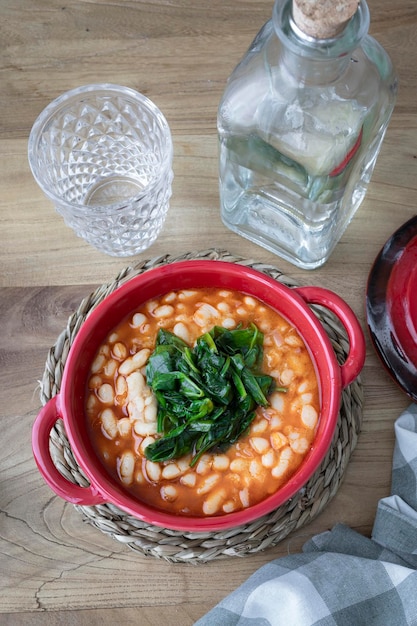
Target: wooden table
<point>54,568</point>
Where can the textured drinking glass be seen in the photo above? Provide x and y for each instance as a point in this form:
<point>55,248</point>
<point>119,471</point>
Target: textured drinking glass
<point>103,155</point>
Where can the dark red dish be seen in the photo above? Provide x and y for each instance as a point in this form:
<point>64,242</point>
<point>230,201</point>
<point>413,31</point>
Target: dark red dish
<point>391,306</point>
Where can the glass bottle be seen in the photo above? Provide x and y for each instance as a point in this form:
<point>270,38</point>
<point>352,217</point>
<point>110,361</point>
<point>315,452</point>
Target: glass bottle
<point>300,126</point>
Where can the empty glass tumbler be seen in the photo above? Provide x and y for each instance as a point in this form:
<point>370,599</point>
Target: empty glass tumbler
<point>103,155</point>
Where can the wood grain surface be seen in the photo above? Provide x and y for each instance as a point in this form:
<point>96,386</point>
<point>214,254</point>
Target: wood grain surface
<point>54,568</point>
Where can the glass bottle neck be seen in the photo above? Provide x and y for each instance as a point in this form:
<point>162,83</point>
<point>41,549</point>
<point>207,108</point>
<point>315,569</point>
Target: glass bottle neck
<point>317,61</point>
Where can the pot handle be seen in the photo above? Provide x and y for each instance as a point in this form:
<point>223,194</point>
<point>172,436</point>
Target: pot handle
<point>64,488</point>
<point>357,347</point>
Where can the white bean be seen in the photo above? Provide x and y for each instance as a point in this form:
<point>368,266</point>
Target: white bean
<point>148,397</point>
<point>249,301</point>
<point>110,368</point>
<point>98,363</point>
<point>268,459</point>
<point>299,444</point>
<point>213,502</point>
<point>235,479</point>
<point>220,462</point>
<point>276,421</point>
<point>264,327</point>
<point>228,323</point>
<point>277,338</point>
<point>184,462</point>
<point>163,311</point>
<point>294,341</point>
<point>119,351</point>
<point>280,469</point>
<point>135,409</point>
<point>150,412</point>
<point>278,440</point>
<point>238,465</point>
<point>121,389</point>
<point>203,466</point>
<point>189,480</point>
<point>205,314</point>
<point>186,293</point>
<point>181,331</point>
<point>141,357</point>
<point>145,443</point>
<point>256,469</point>
<point>259,427</point>
<point>207,484</point>
<point>95,382</point>
<point>168,493</point>
<point>121,385</point>
<point>259,444</point>
<point>106,394</point>
<point>171,471</point>
<point>153,470</point>
<point>124,427</point>
<point>126,467</point>
<point>151,305</point>
<point>134,362</point>
<point>276,400</point>
<point>286,376</point>
<point>274,373</point>
<point>109,423</point>
<point>244,497</point>
<point>309,415</point>
<point>283,463</point>
<point>135,384</point>
<point>170,297</point>
<point>144,429</point>
<point>138,319</point>
<point>286,454</point>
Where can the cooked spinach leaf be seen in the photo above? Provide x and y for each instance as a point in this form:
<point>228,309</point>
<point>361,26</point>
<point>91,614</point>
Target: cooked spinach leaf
<point>207,395</point>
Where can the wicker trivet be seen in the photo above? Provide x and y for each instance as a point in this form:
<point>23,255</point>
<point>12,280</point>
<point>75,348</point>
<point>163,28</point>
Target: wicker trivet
<point>179,546</point>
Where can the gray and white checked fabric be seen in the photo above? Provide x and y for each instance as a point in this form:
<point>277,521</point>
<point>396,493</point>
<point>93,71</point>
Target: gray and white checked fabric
<point>343,578</point>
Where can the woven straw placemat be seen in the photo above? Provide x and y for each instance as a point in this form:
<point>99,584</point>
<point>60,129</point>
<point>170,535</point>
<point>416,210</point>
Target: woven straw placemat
<point>178,546</point>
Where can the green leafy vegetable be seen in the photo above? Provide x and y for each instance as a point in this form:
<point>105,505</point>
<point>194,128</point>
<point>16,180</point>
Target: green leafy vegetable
<point>207,395</point>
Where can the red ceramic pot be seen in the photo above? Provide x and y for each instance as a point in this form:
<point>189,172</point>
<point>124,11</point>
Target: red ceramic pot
<point>292,304</point>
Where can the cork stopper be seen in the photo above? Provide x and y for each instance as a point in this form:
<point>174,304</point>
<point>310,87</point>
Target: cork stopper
<point>323,19</point>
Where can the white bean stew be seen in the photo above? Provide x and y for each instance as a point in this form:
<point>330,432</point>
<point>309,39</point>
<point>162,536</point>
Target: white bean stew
<point>122,408</point>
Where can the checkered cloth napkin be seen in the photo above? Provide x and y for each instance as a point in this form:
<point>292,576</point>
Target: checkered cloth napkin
<point>342,578</point>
